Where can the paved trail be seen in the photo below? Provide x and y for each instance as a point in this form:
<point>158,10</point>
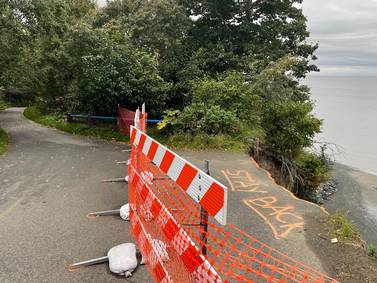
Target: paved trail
<point>49,181</point>
<point>263,209</point>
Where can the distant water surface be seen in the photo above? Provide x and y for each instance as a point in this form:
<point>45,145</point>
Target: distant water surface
<point>348,106</point>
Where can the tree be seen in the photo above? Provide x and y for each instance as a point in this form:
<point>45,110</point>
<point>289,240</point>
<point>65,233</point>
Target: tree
<point>159,27</point>
<point>263,30</point>
<point>33,32</point>
<point>13,41</point>
<point>109,71</point>
<point>286,109</point>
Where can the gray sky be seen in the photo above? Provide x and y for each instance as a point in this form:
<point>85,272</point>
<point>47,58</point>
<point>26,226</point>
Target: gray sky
<point>346,31</point>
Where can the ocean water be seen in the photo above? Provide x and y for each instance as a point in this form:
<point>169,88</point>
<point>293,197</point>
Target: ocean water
<point>348,106</point>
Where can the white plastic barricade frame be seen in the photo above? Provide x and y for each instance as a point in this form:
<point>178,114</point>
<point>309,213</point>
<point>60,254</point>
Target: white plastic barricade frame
<point>202,188</point>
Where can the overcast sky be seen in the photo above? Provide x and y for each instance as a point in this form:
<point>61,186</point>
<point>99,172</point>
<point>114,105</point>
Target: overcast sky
<point>346,31</point>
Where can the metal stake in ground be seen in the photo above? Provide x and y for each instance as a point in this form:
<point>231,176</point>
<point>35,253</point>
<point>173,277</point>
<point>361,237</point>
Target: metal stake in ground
<point>104,213</point>
<point>115,180</point>
<point>123,259</point>
<point>204,219</point>
<point>89,262</point>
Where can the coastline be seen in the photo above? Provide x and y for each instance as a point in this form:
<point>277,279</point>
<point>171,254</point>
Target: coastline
<point>357,195</point>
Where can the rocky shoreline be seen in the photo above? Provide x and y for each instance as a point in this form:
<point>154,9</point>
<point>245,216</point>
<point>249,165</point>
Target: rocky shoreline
<point>357,195</point>
<point>326,190</point>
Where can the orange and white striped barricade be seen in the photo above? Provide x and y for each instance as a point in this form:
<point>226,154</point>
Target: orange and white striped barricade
<point>167,196</point>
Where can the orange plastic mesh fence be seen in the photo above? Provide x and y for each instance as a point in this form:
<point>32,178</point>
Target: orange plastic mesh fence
<point>166,224</point>
<point>126,119</point>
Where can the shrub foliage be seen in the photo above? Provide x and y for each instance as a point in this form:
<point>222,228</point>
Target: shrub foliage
<point>229,68</point>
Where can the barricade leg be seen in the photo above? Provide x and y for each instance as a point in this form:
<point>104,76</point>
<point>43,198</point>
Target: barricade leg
<point>104,213</point>
<point>89,262</point>
<point>116,180</point>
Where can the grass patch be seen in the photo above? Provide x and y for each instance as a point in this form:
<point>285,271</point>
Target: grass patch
<point>3,136</point>
<point>177,141</point>
<point>372,251</point>
<point>59,122</point>
<point>3,141</point>
<point>198,142</point>
<point>343,228</point>
<point>3,105</point>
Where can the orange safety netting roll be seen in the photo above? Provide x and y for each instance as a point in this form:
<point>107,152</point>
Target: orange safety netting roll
<point>168,226</point>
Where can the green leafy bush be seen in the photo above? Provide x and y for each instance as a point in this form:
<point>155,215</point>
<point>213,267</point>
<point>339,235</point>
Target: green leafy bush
<point>169,119</point>
<point>311,171</point>
<point>222,105</point>
<point>3,105</point>
<point>342,227</point>
<point>230,92</point>
<point>112,72</point>
<point>211,120</point>
<point>289,127</point>
<point>286,111</point>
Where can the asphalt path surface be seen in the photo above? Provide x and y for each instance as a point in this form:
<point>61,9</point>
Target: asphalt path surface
<point>263,209</point>
<point>49,181</point>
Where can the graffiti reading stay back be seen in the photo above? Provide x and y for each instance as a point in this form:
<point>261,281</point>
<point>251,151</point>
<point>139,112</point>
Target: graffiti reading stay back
<point>280,217</point>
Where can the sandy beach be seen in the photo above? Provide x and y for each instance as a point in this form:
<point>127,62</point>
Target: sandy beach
<point>357,194</point>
